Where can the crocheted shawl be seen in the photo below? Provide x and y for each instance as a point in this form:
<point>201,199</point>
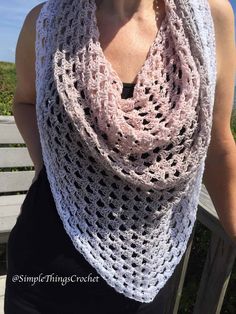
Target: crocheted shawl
<point>126,174</point>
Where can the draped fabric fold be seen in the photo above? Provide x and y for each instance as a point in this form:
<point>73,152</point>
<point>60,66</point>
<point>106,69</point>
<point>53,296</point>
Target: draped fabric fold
<point>126,173</point>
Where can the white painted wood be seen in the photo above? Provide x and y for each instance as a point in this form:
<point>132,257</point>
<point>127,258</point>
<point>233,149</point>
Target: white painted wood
<point>2,290</point>
<point>14,157</point>
<point>15,181</point>
<point>7,119</point>
<point>206,202</point>
<point>11,200</point>
<point>9,210</point>
<point>9,133</point>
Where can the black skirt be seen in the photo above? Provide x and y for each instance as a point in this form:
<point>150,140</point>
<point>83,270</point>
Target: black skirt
<point>40,253</point>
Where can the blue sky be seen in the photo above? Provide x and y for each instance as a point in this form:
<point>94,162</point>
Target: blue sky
<point>12,15</point>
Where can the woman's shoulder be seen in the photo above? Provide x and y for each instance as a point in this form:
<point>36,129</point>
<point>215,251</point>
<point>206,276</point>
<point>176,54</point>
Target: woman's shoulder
<point>29,24</point>
<point>25,58</point>
<point>222,11</point>
<point>34,12</point>
<point>223,17</point>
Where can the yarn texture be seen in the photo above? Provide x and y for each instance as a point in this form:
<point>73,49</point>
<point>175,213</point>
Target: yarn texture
<point>126,174</point>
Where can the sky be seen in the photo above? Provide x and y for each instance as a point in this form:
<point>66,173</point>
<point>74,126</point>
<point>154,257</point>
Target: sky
<point>12,15</point>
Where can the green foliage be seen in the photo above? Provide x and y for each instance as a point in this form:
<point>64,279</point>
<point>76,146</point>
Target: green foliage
<point>7,87</point>
<point>233,122</point>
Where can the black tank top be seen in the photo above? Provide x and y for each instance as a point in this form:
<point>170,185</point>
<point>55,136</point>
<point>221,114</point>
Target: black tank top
<point>128,90</point>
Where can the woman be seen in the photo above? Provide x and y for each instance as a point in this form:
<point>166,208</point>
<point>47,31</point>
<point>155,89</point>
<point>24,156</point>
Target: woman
<point>100,203</point>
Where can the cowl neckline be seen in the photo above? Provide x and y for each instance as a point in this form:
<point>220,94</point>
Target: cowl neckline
<point>155,139</point>
<point>138,80</point>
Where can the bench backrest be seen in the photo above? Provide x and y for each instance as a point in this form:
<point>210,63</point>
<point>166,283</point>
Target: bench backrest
<point>12,157</point>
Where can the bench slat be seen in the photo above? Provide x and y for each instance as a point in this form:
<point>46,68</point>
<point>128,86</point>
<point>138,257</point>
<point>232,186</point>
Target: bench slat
<point>206,202</point>
<point>9,133</point>
<point>9,210</point>
<point>15,181</point>
<point>2,290</point>
<point>15,157</point>
<point>7,223</point>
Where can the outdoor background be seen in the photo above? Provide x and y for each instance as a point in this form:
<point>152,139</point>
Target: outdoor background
<point>12,15</point>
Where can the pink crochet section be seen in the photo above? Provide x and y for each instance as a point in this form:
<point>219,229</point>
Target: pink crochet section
<point>157,138</point>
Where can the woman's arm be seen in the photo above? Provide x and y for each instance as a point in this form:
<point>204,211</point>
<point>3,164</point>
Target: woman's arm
<point>25,95</point>
<point>220,170</point>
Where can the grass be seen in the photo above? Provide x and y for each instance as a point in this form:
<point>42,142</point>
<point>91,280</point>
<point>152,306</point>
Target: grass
<point>7,87</point>
<point>233,123</point>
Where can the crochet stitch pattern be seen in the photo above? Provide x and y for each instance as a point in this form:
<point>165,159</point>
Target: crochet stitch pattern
<point>126,174</point>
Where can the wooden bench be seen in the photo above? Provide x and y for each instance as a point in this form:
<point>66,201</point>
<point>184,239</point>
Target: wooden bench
<point>11,182</point>
<point>221,252</point>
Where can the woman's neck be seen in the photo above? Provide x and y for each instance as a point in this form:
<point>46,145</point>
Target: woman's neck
<point>125,9</point>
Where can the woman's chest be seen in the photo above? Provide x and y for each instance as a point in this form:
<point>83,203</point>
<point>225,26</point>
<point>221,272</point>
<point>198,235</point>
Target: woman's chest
<point>127,48</point>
